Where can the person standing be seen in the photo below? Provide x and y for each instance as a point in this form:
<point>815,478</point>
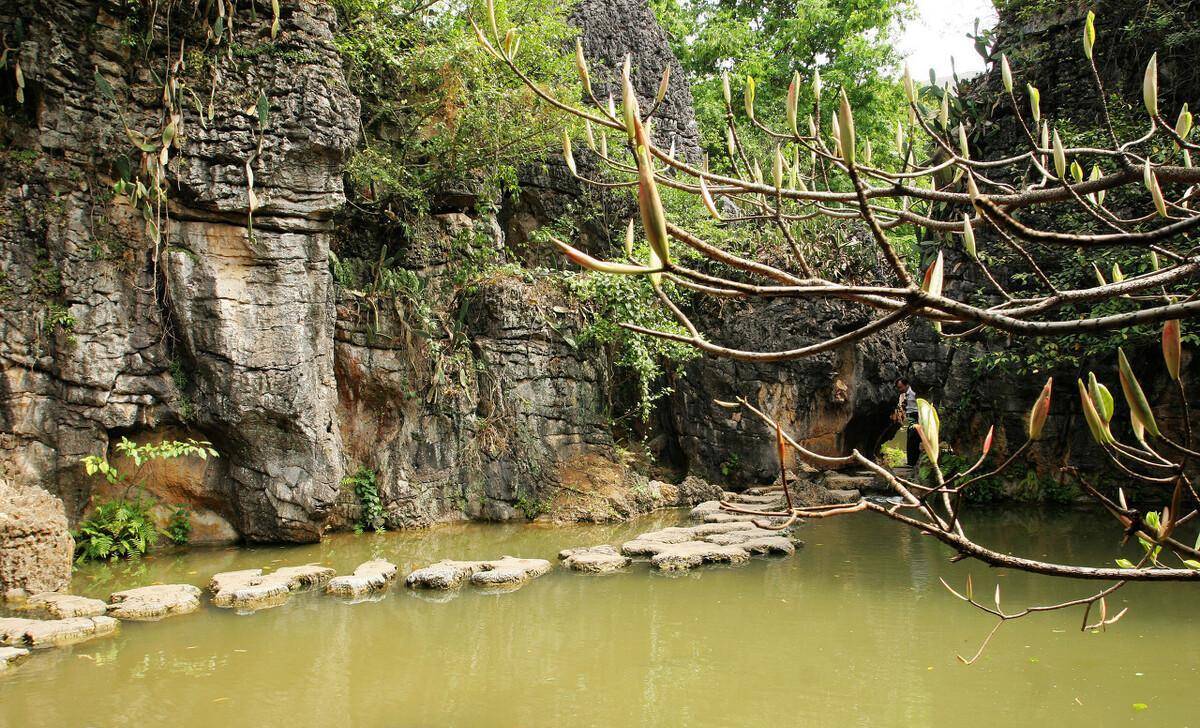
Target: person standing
<point>908,403</point>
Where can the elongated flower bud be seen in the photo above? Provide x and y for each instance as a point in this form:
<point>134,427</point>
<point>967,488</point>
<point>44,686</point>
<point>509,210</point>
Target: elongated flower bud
<point>629,239</point>
<point>777,169</point>
<point>725,89</point>
<point>1139,406</point>
<point>963,147</point>
<point>567,155</point>
<point>1151,180</point>
<point>1035,102</point>
<point>816,84</point>
<point>968,236</point>
<point>750,96</point>
<point>1006,73</point>
<point>793,100</point>
<point>1060,157</point>
<point>1172,347</point>
<point>932,283</point>
<point>1150,86</point>
<point>582,67</point>
<point>730,142</point>
<point>1102,399</point>
<point>944,113</point>
<point>910,89</point>
<point>1040,411</point>
<point>663,84</point>
<point>603,143</point>
<point>1099,430</point>
<point>1099,276</point>
<point>1089,34</point>
<point>654,219</point>
<point>846,129</point>
<point>706,197</point>
<point>1117,275</point>
<point>584,260</point>
<point>900,137</point>
<point>1098,197</point>
<point>629,104</point>
<point>589,134</point>
<point>928,428</point>
<point>1183,125</point>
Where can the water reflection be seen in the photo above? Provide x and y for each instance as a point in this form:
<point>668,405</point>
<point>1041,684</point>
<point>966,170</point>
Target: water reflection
<point>854,630</point>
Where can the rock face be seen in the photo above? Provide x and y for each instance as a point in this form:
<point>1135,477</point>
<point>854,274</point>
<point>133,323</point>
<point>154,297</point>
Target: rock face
<point>506,573</point>
<point>371,576</point>
<point>250,589</point>
<point>215,329</point>
<point>53,632</point>
<point>833,402</point>
<point>149,603</point>
<point>36,549</point>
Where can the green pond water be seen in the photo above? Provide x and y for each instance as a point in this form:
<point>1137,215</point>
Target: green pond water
<point>853,631</point>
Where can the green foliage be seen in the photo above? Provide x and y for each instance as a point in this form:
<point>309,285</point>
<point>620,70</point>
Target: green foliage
<point>530,507</point>
<point>435,110</point>
<point>848,41</point>
<point>366,489</point>
<point>117,529</point>
<point>179,527</point>
<point>124,528</point>
<point>892,456</point>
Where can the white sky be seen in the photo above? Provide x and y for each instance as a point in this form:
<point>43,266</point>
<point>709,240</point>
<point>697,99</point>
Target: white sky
<point>939,32</point>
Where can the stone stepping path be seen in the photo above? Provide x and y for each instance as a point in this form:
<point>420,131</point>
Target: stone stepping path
<point>368,578</point>
<point>602,559</point>
<point>505,573</point>
<point>38,633</point>
<point>152,603</point>
<point>249,590</point>
<point>65,606</point>
<point>679,548</point>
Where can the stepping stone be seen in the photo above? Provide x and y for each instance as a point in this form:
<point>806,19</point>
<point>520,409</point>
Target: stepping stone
<point>369,577</point>
<point>845,496</point>
<point>15,632</point>
<point>690,554</point>
<point>11,655</point>
<point>63,606</point>
<point>594,559</point>
<point>149,603</point>
<point>251,589</point>
<point>862,482</point>
<point>507,572</point>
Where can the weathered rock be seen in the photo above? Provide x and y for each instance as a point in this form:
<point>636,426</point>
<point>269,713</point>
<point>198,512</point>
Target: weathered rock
<point>36,547</point>
<point>15,632</point>
<point>594,559</point>
<point>154,602</point>
<point>690,554</point>
<point>862,482</point>
<point>9,656</point>
<point>63,606</point>
<point>243,322</point>
<point>507,571</point>
<point>369,577</point>
<point>845,496</point>
<point>251,589</point>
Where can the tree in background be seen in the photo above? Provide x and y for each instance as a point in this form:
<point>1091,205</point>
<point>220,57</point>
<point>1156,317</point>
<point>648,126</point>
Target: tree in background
<point>846,42</point>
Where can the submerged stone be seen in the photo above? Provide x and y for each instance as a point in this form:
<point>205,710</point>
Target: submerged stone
<point>690,554</point>
<point>594,559</point>
<point>148,603</point>
<point>63,606</point>
<point>506,572</point>
<point>251,589</point>
<point>10,655</point>
<point>16,632</point>
<point>369,577</point>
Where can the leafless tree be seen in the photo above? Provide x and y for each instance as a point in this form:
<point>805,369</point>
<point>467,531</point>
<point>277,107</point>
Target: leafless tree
<point>822,171</point>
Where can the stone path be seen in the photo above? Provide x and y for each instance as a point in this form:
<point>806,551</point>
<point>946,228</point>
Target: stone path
<point>63,606</point>
<point>151,603</point>
<point>19,632</point>
<point>505,573</point>
<point>250,589</point>
<point>11,655</point>
<point>368,578</point>
<point>602,559</point>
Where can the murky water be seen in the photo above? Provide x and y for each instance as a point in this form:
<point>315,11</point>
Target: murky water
<point>853,631</point>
